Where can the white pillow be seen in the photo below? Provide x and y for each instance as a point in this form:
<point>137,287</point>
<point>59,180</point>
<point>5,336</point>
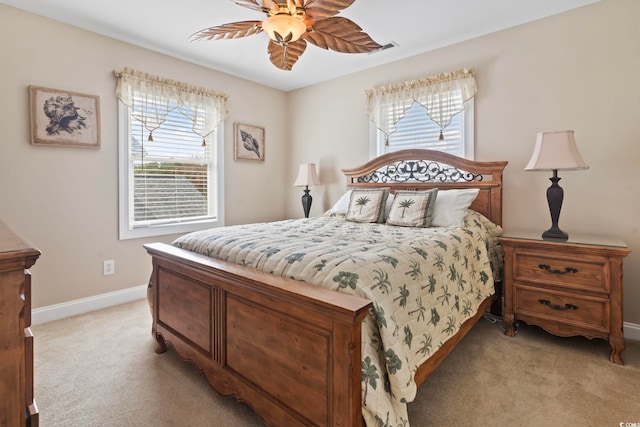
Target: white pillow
<point>387,208</point>
<point>342,205</point>
<point>451,207</point>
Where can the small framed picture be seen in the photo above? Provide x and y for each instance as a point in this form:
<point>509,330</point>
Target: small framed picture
<point>249,142</point>
<point>64,118</point>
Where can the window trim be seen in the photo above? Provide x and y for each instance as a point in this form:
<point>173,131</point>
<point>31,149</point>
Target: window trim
<point>124,226</point>
<point>377,138</point>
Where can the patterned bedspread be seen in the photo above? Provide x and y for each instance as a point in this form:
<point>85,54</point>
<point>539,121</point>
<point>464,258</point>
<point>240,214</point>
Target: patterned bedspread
<point>424,283</point>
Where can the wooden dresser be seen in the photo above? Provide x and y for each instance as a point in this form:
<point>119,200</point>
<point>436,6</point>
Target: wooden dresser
<point>17,405</point>
<point>567,288</point>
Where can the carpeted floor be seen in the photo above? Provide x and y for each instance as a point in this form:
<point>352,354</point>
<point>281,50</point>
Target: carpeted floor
<point>101,369</point>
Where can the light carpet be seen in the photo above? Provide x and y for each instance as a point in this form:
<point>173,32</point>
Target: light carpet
<point>101,369</point>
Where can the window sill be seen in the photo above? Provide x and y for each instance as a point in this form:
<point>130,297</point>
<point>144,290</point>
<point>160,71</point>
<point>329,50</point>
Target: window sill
<point>164,229</point>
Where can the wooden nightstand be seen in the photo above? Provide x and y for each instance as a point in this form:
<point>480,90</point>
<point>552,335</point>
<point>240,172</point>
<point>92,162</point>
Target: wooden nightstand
<point>567,288</point>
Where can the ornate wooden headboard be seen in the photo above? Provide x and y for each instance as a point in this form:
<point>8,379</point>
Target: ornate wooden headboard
<point>425,169</point>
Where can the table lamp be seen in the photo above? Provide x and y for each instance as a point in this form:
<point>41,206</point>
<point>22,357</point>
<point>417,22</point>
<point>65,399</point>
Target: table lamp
<point>555,151</point>
<point>306,176</point>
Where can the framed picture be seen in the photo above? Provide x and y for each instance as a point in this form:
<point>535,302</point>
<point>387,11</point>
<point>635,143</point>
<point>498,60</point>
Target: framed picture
<point>64,118</point>
<point>249,142</point>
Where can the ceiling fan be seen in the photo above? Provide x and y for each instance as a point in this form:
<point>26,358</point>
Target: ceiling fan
<point>290,24</point>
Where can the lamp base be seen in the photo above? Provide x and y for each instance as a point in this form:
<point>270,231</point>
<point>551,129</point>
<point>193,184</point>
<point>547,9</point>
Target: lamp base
<point>306,202</point>
<point>555,194</point>
<point>555,234</point>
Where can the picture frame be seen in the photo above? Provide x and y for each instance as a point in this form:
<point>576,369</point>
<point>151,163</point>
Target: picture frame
<point>249,142</point>
<point>64,118</point>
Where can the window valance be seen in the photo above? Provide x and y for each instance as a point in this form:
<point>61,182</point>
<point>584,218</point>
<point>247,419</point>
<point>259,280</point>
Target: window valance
<point>442,95</point>
<point>152,98</point>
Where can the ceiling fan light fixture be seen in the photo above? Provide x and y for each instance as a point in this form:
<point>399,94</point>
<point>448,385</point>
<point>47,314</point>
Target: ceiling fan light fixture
<point>292,25</point>
<point>284,24</point>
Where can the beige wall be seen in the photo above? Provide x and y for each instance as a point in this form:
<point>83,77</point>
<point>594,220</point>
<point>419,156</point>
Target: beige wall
<point>65,200</point>
<point>578,70</point>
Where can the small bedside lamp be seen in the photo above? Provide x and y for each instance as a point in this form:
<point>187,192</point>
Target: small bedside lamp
<point>306,176</point>
<point>555,151</point>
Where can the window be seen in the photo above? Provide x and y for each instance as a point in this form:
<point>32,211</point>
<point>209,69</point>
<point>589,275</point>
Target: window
<point>434,112</point>
<point>417,130</point>
<point>170,165</point>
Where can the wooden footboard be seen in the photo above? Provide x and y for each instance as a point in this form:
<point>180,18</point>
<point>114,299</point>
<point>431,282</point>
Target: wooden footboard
<point>292,351</point>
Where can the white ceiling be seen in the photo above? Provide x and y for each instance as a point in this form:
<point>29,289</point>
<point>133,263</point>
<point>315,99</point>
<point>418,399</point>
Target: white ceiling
<point>416,26</point>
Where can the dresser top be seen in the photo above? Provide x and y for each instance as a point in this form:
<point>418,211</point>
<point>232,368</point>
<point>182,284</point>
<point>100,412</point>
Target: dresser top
<point>12,245</point>
<point>574,238</point>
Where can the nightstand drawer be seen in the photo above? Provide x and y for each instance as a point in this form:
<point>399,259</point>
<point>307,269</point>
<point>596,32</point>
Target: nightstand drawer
<point>585,273</point>
<point>575,310</point>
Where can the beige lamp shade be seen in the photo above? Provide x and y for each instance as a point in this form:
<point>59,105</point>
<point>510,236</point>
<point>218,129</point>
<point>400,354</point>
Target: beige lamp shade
<point>555,151</point>
<point>307,175</point>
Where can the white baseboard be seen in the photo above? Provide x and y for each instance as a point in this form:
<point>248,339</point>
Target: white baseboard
<point>631,331</point>
<point>85,305</point>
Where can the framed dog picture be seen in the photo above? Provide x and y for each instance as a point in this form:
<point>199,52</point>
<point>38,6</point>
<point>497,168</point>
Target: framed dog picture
<point>249,142</point>
<point>64,118</point>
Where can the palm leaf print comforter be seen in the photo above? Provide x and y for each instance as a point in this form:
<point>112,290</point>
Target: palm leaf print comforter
<point>424,283</point>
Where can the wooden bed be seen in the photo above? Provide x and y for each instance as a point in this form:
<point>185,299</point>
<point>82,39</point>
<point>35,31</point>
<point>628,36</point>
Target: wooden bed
<point>227,319</point>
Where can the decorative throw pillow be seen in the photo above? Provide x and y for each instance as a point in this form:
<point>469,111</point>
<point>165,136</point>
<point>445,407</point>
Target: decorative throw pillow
<point>342,205</point>
<point>367,205</point>
<point>412,208</point>
<point>451,207</point>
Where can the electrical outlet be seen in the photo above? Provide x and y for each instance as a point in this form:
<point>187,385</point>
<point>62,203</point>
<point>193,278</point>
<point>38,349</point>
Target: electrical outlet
<point>108,267</point>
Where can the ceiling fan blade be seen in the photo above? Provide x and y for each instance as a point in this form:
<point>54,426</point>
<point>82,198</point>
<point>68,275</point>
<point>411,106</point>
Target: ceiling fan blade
<point>291,5</point>
<point>249,4</point>
<point>342,35</point>
<point>319,9</point>
<point>270,5</point>
<point>234,30</point>
<point>284,57</point>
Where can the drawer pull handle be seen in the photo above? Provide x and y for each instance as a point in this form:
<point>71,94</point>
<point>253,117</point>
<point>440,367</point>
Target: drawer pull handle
<point>565,271</point>
<point>557,307</point>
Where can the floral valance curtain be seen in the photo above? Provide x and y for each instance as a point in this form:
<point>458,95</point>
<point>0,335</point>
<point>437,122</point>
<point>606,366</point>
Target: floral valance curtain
<point>152,98</point>
<point>442,95</point>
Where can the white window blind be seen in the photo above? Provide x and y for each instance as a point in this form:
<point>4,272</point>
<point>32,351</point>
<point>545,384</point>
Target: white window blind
<point>171,176</point>
<point>417,130</point>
